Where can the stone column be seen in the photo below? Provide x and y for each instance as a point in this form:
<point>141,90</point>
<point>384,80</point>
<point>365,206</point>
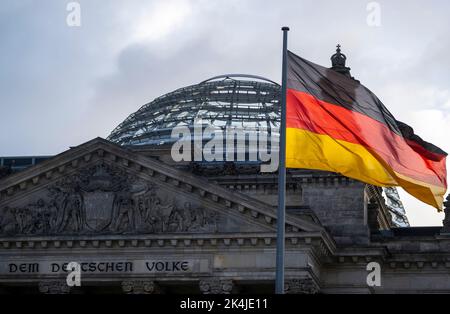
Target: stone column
<point>304,285</point>
<point>140,287</point>
<point>446,221</point>
<point>216,286</point>
<point>54,287</point>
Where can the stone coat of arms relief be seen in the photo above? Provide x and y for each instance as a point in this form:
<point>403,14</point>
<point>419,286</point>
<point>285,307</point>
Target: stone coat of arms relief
<point>104,199</point>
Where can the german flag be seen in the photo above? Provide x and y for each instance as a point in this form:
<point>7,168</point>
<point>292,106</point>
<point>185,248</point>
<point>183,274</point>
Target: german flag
<point>334,123</point>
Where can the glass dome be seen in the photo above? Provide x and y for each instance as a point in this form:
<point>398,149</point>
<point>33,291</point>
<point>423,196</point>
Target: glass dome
<point>237,100</point>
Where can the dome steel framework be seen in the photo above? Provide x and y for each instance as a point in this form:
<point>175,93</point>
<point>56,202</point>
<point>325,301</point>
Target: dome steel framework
<point>247,101</point>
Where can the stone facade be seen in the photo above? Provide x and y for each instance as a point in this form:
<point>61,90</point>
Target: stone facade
<point>139,224</point>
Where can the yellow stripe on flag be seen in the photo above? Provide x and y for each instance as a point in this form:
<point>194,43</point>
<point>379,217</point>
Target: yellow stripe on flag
<point>309,150</point>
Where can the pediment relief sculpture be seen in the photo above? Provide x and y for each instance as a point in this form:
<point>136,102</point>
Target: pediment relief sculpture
<point>104,199</point>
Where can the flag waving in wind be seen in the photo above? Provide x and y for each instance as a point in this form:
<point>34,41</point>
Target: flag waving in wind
<point>334,123</point>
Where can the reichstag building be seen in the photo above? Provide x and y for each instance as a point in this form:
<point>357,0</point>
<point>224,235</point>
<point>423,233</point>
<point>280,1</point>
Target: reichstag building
<point>138,222</point>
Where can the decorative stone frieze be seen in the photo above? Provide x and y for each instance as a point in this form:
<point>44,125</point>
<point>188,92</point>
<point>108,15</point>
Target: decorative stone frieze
<point>103,199</point>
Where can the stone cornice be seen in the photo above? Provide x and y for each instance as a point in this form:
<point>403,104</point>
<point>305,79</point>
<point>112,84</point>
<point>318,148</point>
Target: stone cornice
<point>390,260</point>
<point>257,240</point>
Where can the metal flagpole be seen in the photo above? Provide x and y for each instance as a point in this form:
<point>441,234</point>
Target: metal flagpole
<point>279,279</point>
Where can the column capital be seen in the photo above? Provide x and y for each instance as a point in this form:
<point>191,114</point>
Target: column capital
<point>216,286</point>
<point>54,287</point>
<point>140,287</point>
<point>305,285</point>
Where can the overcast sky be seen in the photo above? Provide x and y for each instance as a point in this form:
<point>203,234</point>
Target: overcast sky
<point>61,86</point>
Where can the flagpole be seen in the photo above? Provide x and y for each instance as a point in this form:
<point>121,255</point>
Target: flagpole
<point>279,278</point>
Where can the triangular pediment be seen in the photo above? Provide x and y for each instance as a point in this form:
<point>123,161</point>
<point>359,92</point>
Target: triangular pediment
<point>101,188</point>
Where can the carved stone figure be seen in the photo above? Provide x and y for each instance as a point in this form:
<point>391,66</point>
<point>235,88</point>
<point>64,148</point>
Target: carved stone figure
<point>123,213</point>
<point>145,221</point>
<point>176,220</point>
<point>24,218</point>
<point>73,213</point>
<point>163,212</point>
<point>8,222</point>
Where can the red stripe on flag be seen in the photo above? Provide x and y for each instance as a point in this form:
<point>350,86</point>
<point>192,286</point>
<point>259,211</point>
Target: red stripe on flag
<point>307,112</point>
